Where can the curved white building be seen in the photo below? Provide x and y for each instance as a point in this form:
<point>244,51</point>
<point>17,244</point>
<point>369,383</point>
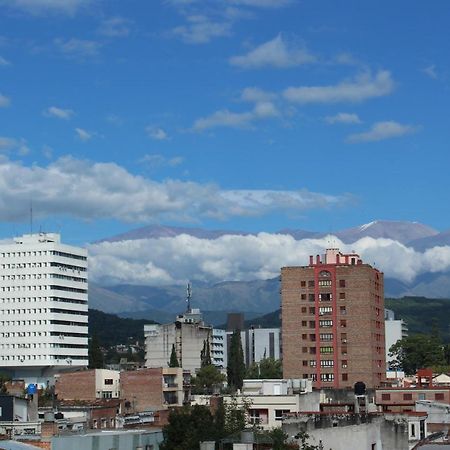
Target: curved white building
<point>43,307</point>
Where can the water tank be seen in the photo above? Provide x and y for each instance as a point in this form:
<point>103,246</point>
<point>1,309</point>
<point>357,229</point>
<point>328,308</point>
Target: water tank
<point>360,388</point>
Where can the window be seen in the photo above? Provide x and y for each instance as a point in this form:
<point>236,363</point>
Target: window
<point>304,310</point>
<point>342,283</point>
<point>343,324</point>
<point>303,283</point>
<point>385,396</point>
<point>304,323</point>
<point>422,397</point>
<point>343,310</point>
<point>311,283</point>
<point>305,363</point>
<point>407,396</point>
<point>326,377</point>
<point>303,296</point>
<point>311,297</point>
<point>326,350</point>
<point>109,381</point>
<point>326,336</point>
<point>325,323</point>
<point>439,396</point>
<point>344,377</point>
<point>325,297</point>
<point>327,363</point>
<point>325,274</point>
<point>344,364</point>
<point>312,363</point>
<point>304,349</point>
<point>279,413</point>
<point>304,337</point>
<point>324,283</point>
<point>312,310</point>
<point>325,310</point>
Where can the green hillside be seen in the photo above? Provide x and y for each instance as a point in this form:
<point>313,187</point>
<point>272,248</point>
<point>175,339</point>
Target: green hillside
<point>112,330</point>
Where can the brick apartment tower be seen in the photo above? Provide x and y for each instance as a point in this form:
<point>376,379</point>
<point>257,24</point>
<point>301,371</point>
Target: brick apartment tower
<point>332,314</point>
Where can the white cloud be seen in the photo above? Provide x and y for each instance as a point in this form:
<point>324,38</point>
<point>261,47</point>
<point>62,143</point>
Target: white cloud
<point>363,87</point>
<point>4,101</point>
<point>201,29</point>
<point>115,27</point>
<point>381,131</point>
<point>83,135</point>
<point>226,118</point>
<point>156,160</point>
<point>156,133</point>
<point>59,113</point>
<point>274,53</point>
<point>8,144</point>
<point>78,48</point>
<point>4,62</point>
<point>346,118</point>
<point>254,95</point>
<point>233,257</point>
<point>69,7</point>
<point>93,190</point>
<point>431,71</point>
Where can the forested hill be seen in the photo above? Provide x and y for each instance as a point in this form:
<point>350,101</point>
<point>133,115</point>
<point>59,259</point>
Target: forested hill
<point>420,314</point>
<point>112,330</point>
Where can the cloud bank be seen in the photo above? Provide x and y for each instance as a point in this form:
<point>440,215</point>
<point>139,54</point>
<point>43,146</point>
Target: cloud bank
<point>89,191</point>
<point>233,257</point>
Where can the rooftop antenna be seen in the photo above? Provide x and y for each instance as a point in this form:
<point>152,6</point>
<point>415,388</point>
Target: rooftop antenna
<point>188,296</point>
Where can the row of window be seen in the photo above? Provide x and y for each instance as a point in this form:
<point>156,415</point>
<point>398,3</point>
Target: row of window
<point>41,299</point>
<point>22,358</point>
<point>311,284</point>
<point>326,377</point>
<point>41,288</point>
<point>41,253</point>
<point>41,345</point>
<point>323,363</point>
<point>420,396</point>
<point>14,334</point>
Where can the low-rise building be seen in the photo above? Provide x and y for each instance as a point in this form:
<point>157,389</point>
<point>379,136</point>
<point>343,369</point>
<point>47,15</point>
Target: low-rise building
<point>404,399</point>
<point>88,384</point>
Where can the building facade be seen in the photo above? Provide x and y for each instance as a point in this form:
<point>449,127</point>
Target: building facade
<point>395,330</point>
<point>219,349</point>
<point>43,307</point>
<point>333,321</point>
<point>259,343</point>
<point>188,334</point>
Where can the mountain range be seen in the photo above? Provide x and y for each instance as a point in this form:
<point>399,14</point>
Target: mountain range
<point>257,297</point>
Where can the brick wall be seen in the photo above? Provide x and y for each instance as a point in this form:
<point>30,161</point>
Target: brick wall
<point>399,400</point>
<point>76,385</point>
<point>142,389</point>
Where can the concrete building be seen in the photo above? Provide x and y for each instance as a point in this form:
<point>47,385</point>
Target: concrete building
<point>219,350</point>
<point>333,321</point>
<point>88,384</point>
<point>188,334</point>
<point>43,307</point>
<point>395,330</point>
<point>259,343</point>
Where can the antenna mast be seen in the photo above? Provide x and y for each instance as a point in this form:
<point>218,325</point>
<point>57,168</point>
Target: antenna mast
<point>188,296</point>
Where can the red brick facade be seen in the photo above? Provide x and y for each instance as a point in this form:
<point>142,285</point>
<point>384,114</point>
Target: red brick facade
<point>142,389</point>
<point>76,385</point>
<point>333,322</point>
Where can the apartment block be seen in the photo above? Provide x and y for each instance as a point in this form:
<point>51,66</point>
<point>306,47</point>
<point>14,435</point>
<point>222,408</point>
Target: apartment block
<point>43,307</point>
<point>259,343</point>
<point>333,321</point>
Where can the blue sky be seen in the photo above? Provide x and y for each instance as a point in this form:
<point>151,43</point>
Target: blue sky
<point>236,114</point>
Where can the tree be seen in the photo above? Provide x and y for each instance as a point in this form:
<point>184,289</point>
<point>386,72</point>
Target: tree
<point>266,368</point>
<point>3,380</point>
<point>236,418</point>
<point>173,358</point>
<point>305,445</point>
<point>418,351</point>
<point>236,366</point>
<point>205,354</point>
<point>208,377</point>
<point>95,353</point>
<point>187,427</point>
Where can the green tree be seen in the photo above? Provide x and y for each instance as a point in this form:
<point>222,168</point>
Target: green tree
<point>95,353</point>
<point>418,351</point>
<point>205,354</point>
<point>206,378</point>
<point>266,368</point>
<point>173,358</point>
<point>304,444</point>
<point>236,366</point>
<point>187,427</point>
<point>236,417</point>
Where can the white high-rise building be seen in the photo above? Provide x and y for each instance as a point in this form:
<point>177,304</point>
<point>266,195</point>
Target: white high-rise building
<point>43,307</point>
